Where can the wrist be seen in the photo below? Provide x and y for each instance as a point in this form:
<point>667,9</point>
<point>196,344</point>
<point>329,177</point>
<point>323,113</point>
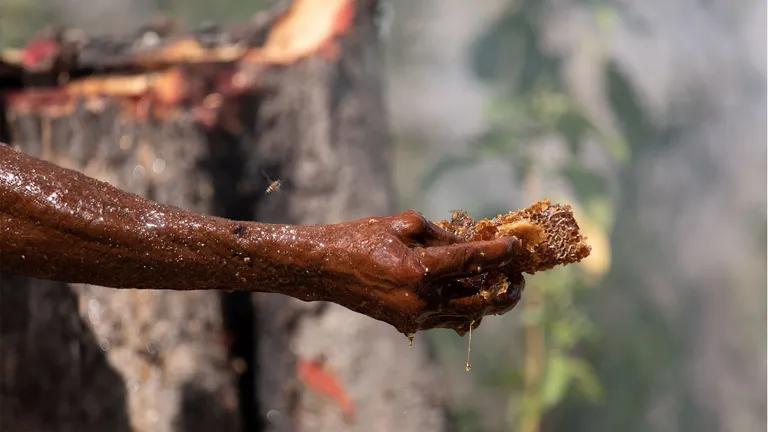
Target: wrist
<point>265,257</point>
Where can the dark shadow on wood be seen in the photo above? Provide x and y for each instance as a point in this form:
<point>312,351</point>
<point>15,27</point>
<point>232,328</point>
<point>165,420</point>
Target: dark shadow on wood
<point>76,389</point>
<point>235,199</point>
<point>201,411</point>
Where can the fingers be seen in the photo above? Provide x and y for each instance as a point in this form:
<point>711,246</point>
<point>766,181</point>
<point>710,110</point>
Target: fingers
<point>457,312</point>
<point>433,235</point>
<point>413,226</point>
<point>466,259</point>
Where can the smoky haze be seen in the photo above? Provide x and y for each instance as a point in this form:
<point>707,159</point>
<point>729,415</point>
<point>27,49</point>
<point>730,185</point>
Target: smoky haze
<point>689,240</point>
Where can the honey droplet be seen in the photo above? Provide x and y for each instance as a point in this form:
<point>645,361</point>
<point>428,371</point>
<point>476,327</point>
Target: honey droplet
<point>468,365</point>
<point>410,339</point>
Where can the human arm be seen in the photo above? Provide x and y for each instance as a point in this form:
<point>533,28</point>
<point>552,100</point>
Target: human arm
<point>62,225</point>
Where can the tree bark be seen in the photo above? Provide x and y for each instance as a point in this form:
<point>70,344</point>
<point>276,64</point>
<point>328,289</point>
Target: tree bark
<point>165,349</point>
<point>83,358</point>
<point>325,128</point>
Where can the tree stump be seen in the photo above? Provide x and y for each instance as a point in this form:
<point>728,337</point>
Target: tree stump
<point>206,121</point>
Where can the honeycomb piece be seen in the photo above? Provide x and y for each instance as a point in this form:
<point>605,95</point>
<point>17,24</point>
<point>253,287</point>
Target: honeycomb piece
<point>548,232</point>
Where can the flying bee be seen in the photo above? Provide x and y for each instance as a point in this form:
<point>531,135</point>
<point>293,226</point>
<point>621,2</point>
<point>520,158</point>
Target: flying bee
<point>274,185</point>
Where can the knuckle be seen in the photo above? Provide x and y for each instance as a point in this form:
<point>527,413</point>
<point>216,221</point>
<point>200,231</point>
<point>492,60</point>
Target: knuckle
<point>410,212</point>
<point>418,222</point>
<point>497,250</point>
<point>414,276</point>
<point>468,255</point>
<point>411,272</point>
<point>410,222</point>
<point>417,219</point>
<point>472,260</point>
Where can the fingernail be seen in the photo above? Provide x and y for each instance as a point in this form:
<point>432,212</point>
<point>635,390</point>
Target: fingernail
<point>516,287</point>
<point>513,243</point>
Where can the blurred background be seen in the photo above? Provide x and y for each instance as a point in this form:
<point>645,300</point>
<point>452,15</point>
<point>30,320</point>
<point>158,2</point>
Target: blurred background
<point>649,117</point>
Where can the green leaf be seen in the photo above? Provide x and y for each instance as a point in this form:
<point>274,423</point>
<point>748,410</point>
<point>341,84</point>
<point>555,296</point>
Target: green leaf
<point>585,380</point>
<point>556,380</point>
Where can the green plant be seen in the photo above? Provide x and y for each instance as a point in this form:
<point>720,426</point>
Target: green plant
<point>534,107</point>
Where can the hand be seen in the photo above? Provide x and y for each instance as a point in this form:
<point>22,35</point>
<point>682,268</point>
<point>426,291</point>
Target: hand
<point>414,275</point>
<point>399,269</point>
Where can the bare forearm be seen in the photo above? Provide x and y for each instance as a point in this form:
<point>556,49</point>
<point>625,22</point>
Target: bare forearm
<point>59,224</point>
<point>62,225</point>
